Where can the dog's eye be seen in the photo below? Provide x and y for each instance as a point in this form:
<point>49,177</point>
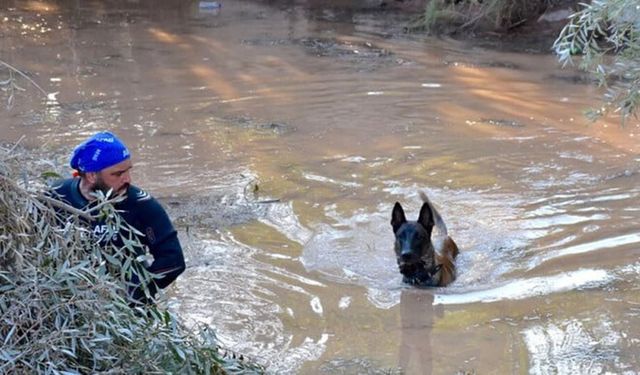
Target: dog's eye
<point>419,236</point>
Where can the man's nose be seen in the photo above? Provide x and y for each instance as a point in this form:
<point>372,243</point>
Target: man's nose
<point>126,178</point>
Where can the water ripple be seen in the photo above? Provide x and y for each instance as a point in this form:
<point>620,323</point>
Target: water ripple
<point>606,243</point>
<point>572,347</point>
<point>527,288</point>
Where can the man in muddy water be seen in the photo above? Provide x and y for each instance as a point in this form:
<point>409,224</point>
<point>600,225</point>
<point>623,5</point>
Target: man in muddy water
<point>102,164</point>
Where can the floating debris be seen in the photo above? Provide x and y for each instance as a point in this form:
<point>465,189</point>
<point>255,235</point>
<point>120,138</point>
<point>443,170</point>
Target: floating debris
<point>498,122</point>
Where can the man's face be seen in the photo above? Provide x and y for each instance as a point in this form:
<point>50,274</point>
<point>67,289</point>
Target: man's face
<point>116,177</point>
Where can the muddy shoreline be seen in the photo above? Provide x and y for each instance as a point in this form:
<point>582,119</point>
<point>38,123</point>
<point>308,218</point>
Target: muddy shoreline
<point>534,34</point>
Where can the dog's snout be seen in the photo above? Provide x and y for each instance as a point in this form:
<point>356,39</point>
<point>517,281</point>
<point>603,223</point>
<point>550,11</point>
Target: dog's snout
<point>406,256</point>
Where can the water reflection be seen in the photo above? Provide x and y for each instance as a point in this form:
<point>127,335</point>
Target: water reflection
<point>528,288</point>
<point>574,347</point>
<point>417,320</point>
<point>627,240</point>
<point>248,302</point>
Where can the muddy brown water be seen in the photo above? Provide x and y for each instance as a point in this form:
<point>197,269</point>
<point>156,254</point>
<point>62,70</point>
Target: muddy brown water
<point>279,135</point>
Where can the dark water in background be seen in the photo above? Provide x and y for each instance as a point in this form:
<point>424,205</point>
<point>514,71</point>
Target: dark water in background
<point>336,114</point>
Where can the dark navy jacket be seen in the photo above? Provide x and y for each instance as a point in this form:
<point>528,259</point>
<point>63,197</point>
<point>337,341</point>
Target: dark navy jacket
<point>143,212</point>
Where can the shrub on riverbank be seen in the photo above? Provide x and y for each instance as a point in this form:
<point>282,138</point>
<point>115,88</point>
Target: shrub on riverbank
<point>603,37</point>
<point>63,306</point>
<point>447,16</point>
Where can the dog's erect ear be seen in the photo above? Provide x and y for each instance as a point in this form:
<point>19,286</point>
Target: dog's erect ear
<point>426,217</point>
<point>397,217</point>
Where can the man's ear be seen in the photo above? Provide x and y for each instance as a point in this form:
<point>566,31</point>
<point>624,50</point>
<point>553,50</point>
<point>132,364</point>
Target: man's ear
<point>397,217</point>
<point>426,217</point>
<point>91,177</point>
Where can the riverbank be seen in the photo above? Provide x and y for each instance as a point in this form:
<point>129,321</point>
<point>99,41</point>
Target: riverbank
<point>533,33</point>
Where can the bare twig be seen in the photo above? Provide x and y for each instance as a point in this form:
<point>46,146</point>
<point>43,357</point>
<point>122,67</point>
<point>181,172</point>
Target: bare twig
<point>10,151</point>
<point>59,204</point>
<point>23,75</point>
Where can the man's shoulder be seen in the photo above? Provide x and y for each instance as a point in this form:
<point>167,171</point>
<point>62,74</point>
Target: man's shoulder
<point>67,190</point>
<point>137,195</point>
<point>62,185</point>
<point>138,198</point>
<point>144,206</point>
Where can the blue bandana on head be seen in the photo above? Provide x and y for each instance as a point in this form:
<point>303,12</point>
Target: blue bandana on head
<point>100,151</point>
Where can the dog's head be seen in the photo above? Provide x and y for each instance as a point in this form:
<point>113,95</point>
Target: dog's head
<point>413,247</point>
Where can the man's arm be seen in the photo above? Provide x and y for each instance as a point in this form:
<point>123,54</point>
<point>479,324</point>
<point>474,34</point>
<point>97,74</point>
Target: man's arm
<point>168,260</point>
<point>162,240</point>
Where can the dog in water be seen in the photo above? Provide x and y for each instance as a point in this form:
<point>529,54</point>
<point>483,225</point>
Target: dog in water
<point>420,262</point>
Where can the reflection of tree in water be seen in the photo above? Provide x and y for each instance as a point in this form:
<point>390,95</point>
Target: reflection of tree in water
<point>417,318</point>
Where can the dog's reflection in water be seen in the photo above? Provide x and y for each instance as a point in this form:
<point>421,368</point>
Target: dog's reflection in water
<point>417,319</point>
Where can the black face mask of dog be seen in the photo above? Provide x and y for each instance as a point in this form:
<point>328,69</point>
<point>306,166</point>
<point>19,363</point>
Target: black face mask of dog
<point>414,251</point>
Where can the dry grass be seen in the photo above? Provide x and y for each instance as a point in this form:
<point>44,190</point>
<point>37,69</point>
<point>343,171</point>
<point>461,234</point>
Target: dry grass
<point>449,16</point>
